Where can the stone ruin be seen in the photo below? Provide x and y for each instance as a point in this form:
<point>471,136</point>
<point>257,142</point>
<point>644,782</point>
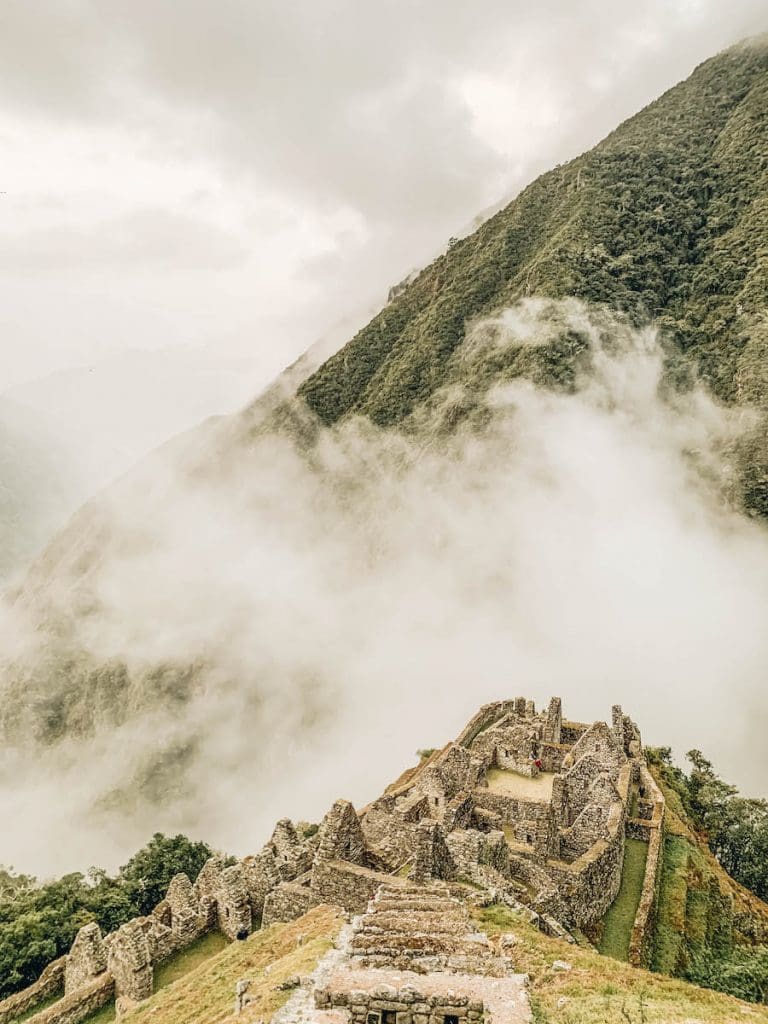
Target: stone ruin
<point>523,807</point>
<point>523,804</point>
<point>415,958</point>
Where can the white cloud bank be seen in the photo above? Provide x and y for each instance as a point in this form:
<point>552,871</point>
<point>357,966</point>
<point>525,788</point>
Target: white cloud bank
<point>349,607</point>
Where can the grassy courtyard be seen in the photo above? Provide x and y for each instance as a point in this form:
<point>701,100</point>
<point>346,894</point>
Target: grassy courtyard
<point>522,787</point>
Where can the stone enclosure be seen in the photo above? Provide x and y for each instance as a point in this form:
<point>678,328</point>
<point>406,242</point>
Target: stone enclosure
<point>523,807</point>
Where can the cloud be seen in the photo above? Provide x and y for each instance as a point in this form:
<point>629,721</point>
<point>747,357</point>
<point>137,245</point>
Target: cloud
<point>144,240</point>
<point>341,143</point>
<point>339,608</point>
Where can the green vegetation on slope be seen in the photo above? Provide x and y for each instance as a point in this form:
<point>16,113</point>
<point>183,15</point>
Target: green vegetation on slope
<point>736,827</point>
<point>188,959</point>
<point>617,923</point>
<point>38,922</point>
<point>708,928</point>
<point>601,990</point>
<point>105,1015</point>
<point>666,218</point>
<point>206,994</point>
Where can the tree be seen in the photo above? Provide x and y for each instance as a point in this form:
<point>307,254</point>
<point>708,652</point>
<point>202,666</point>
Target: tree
<point>147,874</point>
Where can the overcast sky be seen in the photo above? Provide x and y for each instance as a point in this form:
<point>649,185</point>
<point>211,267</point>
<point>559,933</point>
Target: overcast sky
<point>245,174</point>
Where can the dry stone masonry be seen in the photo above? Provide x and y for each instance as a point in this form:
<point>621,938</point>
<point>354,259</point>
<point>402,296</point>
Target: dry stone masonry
<point>524,807</point>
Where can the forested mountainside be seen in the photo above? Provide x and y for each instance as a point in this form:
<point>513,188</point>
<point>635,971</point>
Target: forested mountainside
<point>666,219</point>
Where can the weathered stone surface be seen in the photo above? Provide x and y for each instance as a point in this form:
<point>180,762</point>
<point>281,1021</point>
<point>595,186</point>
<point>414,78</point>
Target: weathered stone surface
<point>49,984</point>
<point>129,961</point>
<point>87,958</point>
<point>555,843</point>
<point>233,902</point>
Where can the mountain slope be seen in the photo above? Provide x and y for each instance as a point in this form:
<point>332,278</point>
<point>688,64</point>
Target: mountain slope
<point>667,218</point>
<point>597,990</point>
<point>289,565</point>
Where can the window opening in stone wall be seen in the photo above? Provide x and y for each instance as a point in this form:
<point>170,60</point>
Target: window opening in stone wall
<point>450,1018</point>
<point>373,1018</point>
<point>388,1017</point>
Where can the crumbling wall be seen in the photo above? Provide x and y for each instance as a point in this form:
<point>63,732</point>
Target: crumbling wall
<point>205,889</point>
<point>600,742</point>
<point>471,850</point>
<point>591,882</point>
<point>346,885</point>
<point>432,858</point>
<point>487,715</point>
<point>512,744</point>
<point>642,929</point>
<point>86,960</point>
<point>261,878</point>
<point>49,984</point>
<point>293,855</point>
<point>287,902</point>
<point>341,836</point>
<point>455,771</point>
<point>129,961</point>
<point>570,732</point>
<point>553,723</point>
<point>186,922</point>
<point>587,829</point>
<point>387,834</point>
<point>510,809</point>
<point>233,903</point>
<point>79,1005</point>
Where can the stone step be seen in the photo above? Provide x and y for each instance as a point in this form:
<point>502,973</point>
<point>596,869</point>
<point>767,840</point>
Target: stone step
<point>418,942</point>
<point>391,920</point>
<point>442,906</point>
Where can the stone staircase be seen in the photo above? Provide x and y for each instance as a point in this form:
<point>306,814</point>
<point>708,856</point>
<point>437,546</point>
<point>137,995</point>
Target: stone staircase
<point>421,929</point>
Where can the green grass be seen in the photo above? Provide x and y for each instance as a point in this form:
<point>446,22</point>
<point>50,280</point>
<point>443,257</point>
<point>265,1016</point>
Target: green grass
<point>38,1008</point>
<point>602,990</point>
<point>103,1016</point>
<point>205,995</point>
<point>188,959</point>
<point>672,905</point>
<point>617,923</point>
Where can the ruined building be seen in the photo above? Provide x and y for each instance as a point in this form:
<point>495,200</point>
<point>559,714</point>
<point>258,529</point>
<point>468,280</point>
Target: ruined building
<point>523,806</point>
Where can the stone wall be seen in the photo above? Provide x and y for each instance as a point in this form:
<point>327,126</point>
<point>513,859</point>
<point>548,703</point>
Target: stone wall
<point>509,809</point>
<point>552,755</point>
<point>591,882</point>
<point>409,1005</point>
<point>346,885</point>
<point>86,960</point>
<point>129,961</point>
<point>600,743</point>
<point>341,836</point>
<point>49,984</point>
<point>390,836</point>
<point>570,732</point>
<point>642,929</point>
<point>553,724</point>
<point>287,902</point>
<point>487,715</point>
<point>233,903</point>
<point>78,1005</point>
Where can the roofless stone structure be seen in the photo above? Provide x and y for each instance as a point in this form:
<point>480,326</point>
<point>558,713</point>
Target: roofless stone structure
<point>523,807</point>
